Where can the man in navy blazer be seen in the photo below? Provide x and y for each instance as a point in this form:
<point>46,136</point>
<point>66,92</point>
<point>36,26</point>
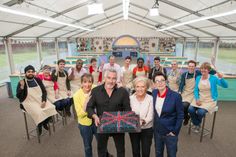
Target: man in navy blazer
<point>168,116</point>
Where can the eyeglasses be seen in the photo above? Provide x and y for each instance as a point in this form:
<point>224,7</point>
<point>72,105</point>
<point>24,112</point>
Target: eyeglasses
<point>160,81</point>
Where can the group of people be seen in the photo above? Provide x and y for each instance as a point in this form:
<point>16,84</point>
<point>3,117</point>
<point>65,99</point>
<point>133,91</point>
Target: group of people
<point>163,100</point>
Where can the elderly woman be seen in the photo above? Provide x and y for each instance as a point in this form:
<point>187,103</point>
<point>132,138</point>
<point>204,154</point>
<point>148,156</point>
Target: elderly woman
<point>142,104</point>
<point>205,94</point>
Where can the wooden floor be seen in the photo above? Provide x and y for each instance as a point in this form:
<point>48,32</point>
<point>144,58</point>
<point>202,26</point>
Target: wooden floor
<point>66,141</point>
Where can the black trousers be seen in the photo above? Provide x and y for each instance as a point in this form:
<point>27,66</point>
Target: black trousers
<point>186,106</point>
<point>145,139</point>
<point>119,140</point>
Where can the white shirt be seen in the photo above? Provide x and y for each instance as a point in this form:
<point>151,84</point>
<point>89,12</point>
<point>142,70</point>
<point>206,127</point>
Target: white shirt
<point>76,73</point>
<point>131,67</point>
<point>144,109</point>
<point>116,67</point>
<point>159,105</point>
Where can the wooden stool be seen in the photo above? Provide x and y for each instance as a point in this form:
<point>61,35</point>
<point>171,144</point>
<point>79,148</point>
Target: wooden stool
<point>205,131</point>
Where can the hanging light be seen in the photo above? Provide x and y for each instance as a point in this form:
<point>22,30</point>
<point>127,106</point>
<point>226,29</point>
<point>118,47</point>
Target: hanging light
<point>126,9</point>
<point>95,8</point>
<point>39,17</point>
<point>154,11</point>
<point>199,19</point>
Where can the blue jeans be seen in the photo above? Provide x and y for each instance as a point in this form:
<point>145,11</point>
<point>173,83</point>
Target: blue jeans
<point>169,141</point>
<point>196,114</point>
<point>87,133</point>
<point>60,104</point>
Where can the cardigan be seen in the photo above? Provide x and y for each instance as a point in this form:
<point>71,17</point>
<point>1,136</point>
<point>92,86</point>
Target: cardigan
<point>189,76</point>
<point>144,109</point>
<point>79,98</point>
<point>214,81</point>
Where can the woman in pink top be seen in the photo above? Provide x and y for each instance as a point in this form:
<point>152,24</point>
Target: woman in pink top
<point>51,88</point>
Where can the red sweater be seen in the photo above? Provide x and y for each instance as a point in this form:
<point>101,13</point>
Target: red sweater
<point>91,70</point>
<point>42,77</point>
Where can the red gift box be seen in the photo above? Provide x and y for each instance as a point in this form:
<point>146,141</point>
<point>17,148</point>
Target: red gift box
<point>119,122</point>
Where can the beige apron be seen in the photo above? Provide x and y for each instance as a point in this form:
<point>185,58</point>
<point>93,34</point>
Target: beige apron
<point>32,105</point>
<point>75,84</point>
<point>128,78</point>
<point>172,80</point>
<point>187,94</point>
<point>62,86</point>
<point>140,73</point>
<point>49,85</point>
<point>95,75</point>
<point>205,97</point>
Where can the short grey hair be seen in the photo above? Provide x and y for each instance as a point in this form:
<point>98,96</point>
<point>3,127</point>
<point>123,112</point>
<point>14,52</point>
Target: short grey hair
<point>141,79</point>
<point>174,61</point>
<point>110,70</point>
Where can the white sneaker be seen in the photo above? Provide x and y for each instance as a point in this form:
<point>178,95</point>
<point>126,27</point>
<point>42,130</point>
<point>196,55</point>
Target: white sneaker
<point>197,129</point>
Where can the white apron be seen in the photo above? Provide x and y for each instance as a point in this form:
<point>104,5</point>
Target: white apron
<point>128,78</point>
<point>32,105</point>
<point>62,86</point>
<point>205,97</point>
<point>141,73</point>
<point>95,75</point>
<point>172,80</point>
<point>49,85</point>
<point>187,94</point>
<point>75,84</point>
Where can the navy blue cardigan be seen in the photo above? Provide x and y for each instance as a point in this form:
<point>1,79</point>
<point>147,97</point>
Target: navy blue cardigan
<point>172,113</point>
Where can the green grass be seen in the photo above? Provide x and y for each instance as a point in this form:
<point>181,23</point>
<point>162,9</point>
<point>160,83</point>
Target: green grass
<point>21,57</point>
<point>228,55</point>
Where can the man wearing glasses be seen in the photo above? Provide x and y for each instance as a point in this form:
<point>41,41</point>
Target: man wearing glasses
<point>168,116</point>
<point>174,77</point>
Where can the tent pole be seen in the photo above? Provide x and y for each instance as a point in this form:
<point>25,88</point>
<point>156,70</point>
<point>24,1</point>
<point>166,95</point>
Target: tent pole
<point>39,50</point>
<point>8,50</point>
<point>57,48</point>
<point>183,49</point>
<point>196,49</point>
<point>215,50</point>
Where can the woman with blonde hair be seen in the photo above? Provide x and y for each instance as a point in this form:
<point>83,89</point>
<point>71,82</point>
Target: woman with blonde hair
<point>86,125</point>
<point>205,94</point>
<point>142,104</point>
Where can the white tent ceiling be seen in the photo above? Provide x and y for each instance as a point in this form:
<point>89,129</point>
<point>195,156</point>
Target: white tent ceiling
<point>76,12</point>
